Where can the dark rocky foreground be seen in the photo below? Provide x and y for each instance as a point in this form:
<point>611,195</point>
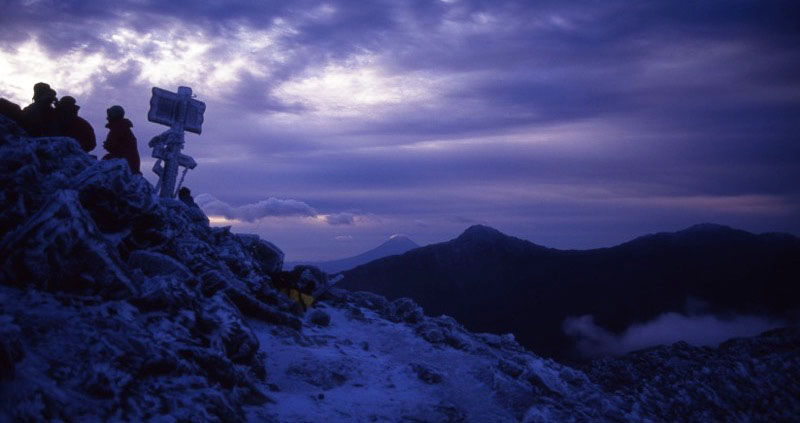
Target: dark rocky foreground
<point>116,305</point>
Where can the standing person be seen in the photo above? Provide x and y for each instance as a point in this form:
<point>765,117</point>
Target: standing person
<point>39,118</point>
<point>120,142</point>
<point>72,125</point>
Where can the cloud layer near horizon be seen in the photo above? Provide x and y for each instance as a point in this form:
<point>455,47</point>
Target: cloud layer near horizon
<point>573,125</point>
<point>592,340</point>
<point>252,212</point>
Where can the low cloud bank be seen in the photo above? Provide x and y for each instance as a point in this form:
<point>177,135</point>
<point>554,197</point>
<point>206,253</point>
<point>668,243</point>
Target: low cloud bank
<point>252,212</point>
<point>271,207</point>
<point>341,219</point>
<point>592,340</point>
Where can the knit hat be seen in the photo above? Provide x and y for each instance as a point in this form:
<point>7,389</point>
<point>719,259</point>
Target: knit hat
<point>42,89</point>
<point>68,102</point>
<point>115,112</point>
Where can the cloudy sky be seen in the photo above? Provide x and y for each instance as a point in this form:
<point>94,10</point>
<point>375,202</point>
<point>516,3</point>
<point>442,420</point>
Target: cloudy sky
<point>332,125</point>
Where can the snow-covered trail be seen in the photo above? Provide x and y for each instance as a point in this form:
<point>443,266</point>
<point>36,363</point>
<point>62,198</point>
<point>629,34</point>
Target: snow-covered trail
<point>372,370</point>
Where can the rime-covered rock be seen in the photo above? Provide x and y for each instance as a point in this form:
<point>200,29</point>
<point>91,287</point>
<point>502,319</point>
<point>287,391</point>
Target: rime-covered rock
<point>742,377</point>
<point>404,310</point>
<point>267,255</point>
<point>153,264</point>
<point>60,248</point>
<point>131,302</point>
<point>319,318</point>
<point>10,347</point>
<point>426,374</point>
<point>165,293</point>
<point>309,278</point>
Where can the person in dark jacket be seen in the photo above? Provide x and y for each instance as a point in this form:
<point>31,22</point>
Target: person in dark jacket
<point>185,195</point>
<point>39,118</point>
<point>10,110</point>
<point>120,142</point>
<point>72,125</point>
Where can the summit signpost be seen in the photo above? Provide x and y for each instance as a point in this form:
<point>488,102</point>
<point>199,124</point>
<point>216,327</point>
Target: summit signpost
<point>181,113</point>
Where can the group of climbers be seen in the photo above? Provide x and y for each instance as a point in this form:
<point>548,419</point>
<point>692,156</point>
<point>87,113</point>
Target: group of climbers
<point>48,116</point>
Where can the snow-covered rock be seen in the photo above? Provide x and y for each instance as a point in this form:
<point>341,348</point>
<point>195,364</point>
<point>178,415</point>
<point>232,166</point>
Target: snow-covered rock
<point>267,255</point>
<point>119,305</point>
<point>744,379</point>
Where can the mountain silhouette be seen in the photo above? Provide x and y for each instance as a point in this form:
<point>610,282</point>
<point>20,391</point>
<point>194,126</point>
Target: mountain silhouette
<point>397,244</point>
<point>493,282</point>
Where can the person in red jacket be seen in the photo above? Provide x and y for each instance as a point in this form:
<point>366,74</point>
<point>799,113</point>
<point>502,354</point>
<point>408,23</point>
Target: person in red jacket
<point>72,125</point>
<point>120,142</point>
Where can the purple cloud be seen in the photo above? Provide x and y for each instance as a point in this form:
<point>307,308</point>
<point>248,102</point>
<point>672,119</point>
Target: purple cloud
<point>252,212</point>
<point>573,125</point>
<point>341,219</point>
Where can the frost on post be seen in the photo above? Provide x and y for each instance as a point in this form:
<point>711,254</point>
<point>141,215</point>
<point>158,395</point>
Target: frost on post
<point>181,113</point>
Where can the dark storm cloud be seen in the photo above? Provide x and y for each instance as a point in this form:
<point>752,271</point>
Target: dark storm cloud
<point>599,112</point>
<point>558,62</point>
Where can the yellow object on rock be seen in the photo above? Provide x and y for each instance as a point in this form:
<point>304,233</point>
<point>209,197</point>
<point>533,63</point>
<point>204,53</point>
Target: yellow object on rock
<point>303,299</point>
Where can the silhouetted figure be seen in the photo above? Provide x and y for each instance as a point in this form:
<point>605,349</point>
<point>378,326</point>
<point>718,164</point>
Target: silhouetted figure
<point>39,118</point>
<point>194,212</point>
<point>10,110</point>
<point>185,195</point>
<point>120,142</point>
<point>72,125</point>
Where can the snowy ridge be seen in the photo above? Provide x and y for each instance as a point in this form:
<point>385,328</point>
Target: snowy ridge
<point>118,306</point>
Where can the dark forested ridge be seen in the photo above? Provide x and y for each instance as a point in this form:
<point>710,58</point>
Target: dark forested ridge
<point>497,283</point>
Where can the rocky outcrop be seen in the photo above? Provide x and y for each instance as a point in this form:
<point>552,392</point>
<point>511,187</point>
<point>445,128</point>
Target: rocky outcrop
<point>128,300</point>
<point>750,378</point>
<point>59,248</point>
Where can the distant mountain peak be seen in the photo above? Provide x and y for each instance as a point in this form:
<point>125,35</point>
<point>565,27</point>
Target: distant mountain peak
<point>708,227</point>
<point>481,232</point>
<point>399,241</point>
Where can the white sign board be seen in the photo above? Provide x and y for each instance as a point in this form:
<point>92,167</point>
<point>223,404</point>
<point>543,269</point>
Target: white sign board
<point>166,108</point>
